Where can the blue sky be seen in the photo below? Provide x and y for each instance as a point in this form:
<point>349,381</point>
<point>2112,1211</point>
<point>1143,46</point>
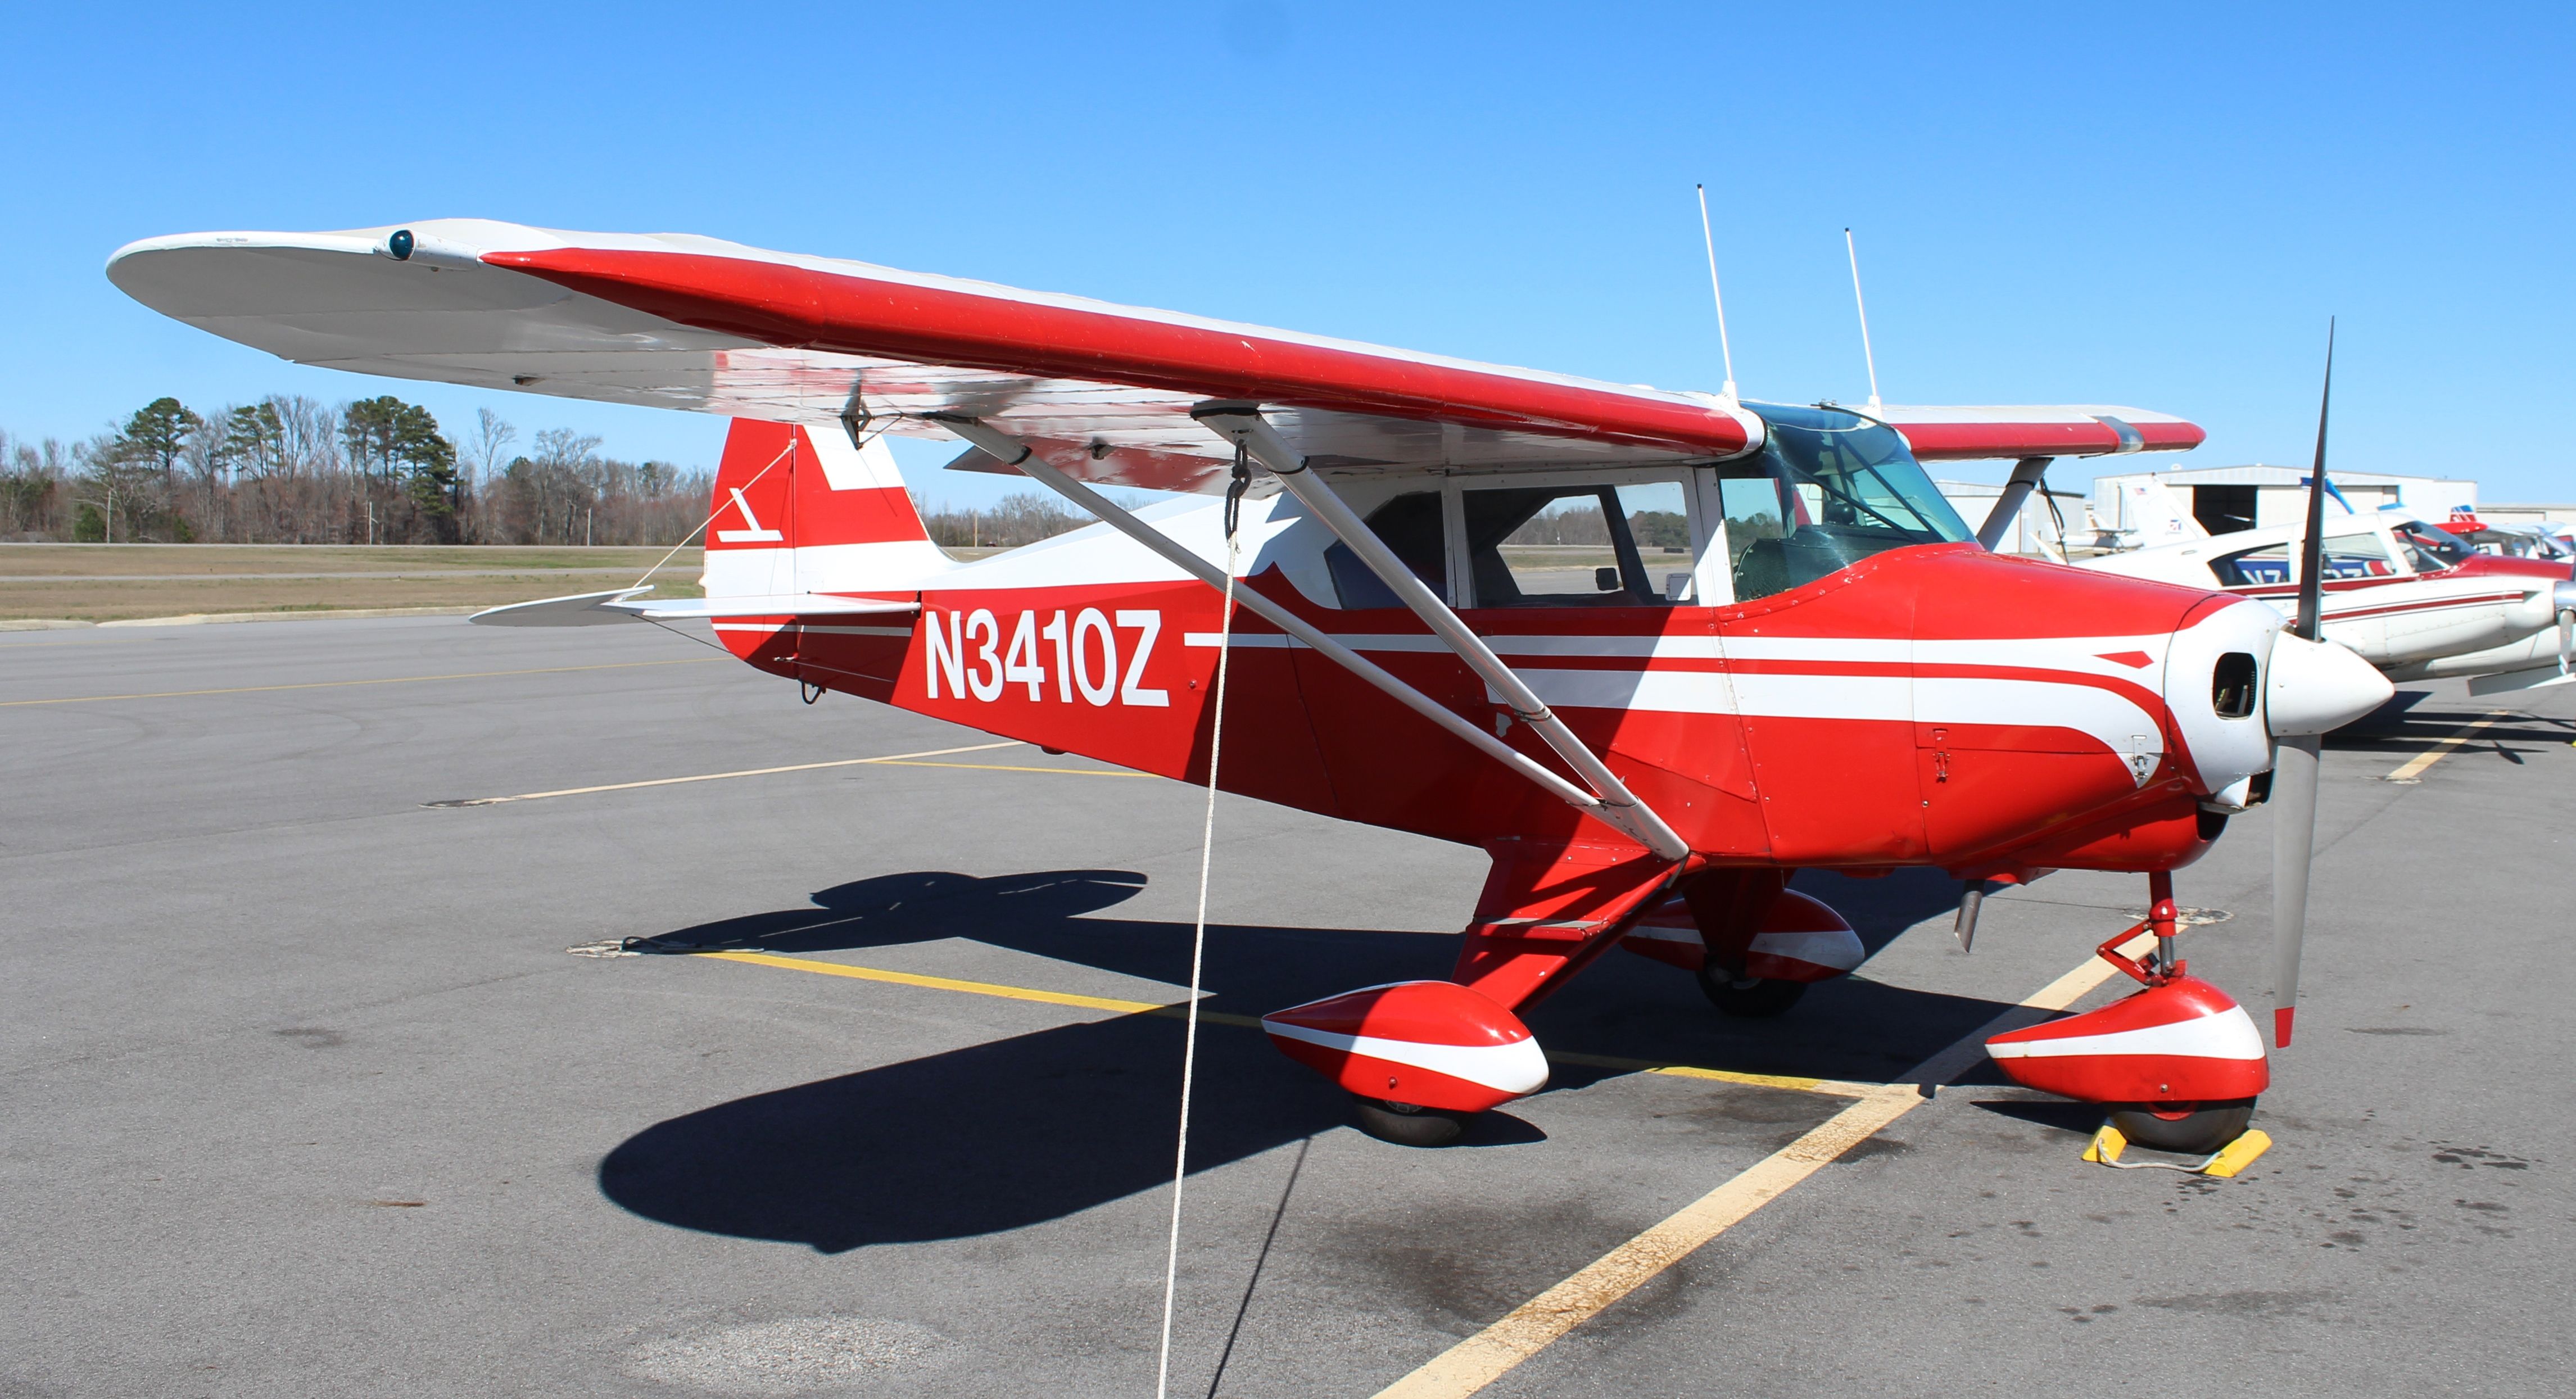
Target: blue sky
<point>2158,208</point>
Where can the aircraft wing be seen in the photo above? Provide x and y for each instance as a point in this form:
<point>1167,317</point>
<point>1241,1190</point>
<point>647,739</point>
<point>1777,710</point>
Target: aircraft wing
<point>676,321</point>
<point>2035,430</point>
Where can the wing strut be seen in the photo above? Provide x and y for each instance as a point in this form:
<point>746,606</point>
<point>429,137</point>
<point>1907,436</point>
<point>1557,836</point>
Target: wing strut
<point>1616,805</point>
<point>1013,452</point>
<point>2026,473</point>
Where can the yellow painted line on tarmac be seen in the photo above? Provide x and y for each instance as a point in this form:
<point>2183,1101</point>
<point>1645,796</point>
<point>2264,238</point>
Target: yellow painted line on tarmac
<point>337,684</point>
<point>940,983</point>
<point>901,759</point>
<point>1487,1356</point>
<point>1832,1087</point>
<point>1007,767</point>
<point>2414,767</point>
<point>1179,1010</point>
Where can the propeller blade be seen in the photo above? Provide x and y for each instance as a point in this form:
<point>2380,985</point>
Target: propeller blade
<point>2294,759</point>
<point>2294,841</point>
<point>2566,641</point>
<point>2312,582</point>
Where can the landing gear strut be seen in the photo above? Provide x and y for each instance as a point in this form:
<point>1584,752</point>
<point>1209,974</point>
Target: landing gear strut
<point>2176,1065</point>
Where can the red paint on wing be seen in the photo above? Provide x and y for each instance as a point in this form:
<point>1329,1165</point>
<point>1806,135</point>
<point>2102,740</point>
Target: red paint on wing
<point>1981,441</point>
<point>849,314</point>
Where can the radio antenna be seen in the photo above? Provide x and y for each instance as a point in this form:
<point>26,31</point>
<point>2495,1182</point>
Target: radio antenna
<point>1865,353</point>
<point>1709,241</point>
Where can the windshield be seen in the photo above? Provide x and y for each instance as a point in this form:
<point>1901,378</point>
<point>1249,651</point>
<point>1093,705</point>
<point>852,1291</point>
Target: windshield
<point>2430,550</point>
<point>1828,489</point>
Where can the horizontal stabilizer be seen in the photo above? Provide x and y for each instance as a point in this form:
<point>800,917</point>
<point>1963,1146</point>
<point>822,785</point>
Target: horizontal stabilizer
<point>624,605</point>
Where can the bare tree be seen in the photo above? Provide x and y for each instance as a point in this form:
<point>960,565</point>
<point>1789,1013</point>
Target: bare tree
<point>117,485</point>
<point>32,488</point>
<point>482,452</point>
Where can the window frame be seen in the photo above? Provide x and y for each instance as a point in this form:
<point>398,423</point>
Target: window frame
<point>1692,480</point>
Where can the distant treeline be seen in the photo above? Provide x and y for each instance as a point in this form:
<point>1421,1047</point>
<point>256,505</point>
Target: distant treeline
<point>290,470</point>
<point>1023,517</point>
<point>1585,524</point>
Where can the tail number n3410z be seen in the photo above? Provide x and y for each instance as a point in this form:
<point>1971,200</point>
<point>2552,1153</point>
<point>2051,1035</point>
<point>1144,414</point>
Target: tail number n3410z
<point>966,650</point>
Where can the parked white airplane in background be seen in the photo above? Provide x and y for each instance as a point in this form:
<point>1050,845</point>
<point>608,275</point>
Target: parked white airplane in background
<point>2412,599</point>
<point>2539,539</point>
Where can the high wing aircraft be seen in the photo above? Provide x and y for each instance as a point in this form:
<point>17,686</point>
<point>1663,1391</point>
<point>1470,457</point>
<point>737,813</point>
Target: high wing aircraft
<point>2410,597</point>
<point>1828,673</point>
<point>2539,539</point>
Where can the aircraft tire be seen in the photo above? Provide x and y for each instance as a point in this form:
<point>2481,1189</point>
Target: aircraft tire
<point>1407,1125</point>
<point>1753,998</point>
<point>2195,1133</point>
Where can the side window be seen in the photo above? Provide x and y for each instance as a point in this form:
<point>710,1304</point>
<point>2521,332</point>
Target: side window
<point>2252,568</point>
<point>2358,556</point>
<point>1579,546</point>
<point>1410,525</point>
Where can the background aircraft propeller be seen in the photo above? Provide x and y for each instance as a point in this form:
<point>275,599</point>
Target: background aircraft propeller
<point>2294,759</point>
<point>2566,628</point>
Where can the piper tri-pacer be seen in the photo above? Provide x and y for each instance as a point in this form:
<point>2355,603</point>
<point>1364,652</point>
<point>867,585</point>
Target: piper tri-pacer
<point>1793,654</point>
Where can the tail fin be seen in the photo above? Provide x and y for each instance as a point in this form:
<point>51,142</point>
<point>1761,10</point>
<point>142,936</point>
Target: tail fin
<point>801,510</point>
<point>2157,514</point>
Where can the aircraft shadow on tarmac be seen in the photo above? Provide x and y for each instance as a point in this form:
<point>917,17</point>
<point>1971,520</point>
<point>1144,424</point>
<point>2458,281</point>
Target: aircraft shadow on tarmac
<point>1031,1128</point>
<point>2400,728</point>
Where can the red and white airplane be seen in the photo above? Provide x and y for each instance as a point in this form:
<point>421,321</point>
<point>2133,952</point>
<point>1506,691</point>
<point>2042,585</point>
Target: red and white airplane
<point>1832,674</point>
<point>2407,595</point>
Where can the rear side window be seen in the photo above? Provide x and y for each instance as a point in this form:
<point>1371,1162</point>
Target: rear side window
<point>2358,556</point>
<point>1410,525</point>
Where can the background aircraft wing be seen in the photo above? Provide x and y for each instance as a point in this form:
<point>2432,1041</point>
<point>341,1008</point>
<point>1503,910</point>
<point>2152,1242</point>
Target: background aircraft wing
<point>676,321</point>
<point>2034,430</point>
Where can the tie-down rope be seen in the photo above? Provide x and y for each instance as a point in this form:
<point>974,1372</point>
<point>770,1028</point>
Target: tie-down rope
<point>1198,931</point>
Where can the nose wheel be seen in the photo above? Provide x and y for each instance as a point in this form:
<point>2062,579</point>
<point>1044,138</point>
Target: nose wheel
<point>2195,1131</point>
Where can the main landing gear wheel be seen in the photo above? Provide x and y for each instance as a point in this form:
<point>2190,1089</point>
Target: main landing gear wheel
<point>1748,997</point>
<point>1408,1125</point>
<point>2195,1131</point>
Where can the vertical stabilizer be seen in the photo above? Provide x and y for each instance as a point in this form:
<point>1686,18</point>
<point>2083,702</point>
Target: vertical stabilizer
<point>802,510</point>
<point>2156,514</point>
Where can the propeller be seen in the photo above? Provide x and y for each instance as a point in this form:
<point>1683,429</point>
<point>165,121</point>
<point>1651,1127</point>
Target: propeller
<point>2294,757</point>
<point>2566,601</point>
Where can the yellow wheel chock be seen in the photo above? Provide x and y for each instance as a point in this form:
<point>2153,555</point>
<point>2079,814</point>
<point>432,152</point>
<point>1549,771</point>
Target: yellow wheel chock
<point>2108,1143</point>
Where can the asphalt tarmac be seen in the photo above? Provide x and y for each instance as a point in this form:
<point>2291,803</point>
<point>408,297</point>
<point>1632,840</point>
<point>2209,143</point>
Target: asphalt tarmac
<point>302,1093</point>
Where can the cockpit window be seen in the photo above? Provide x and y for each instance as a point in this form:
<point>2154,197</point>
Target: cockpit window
<point>1828,489</point>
